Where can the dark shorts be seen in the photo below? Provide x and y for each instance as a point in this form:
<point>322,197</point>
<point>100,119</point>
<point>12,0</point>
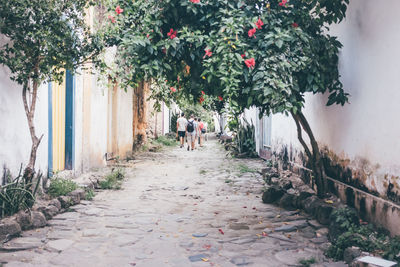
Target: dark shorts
<point>181,133</point>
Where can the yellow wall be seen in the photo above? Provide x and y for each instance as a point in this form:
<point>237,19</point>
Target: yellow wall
<point>58,113</point>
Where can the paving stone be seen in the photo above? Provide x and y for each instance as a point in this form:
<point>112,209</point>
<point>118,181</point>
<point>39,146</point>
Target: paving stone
<point>241,261</point>
<point>239,226</point>
<point>198,257</point>
<point>200,235</point>
<point>59,245</point>
<point>293,257</point>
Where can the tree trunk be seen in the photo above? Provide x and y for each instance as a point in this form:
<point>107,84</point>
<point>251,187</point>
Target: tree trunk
<point>140,114</point>
<point>313,154</point>
<point>30,106</point>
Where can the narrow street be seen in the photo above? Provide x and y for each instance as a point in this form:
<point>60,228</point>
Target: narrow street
<point>176,208</point>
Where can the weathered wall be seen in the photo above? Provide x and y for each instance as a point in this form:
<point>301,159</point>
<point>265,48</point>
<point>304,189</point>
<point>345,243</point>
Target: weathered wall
<point>363,134</point>
<point>15,140</point>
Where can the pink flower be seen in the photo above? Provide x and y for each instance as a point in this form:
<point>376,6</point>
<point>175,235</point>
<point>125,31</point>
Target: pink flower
<point>173,90</point>
<point>171,34</point>
<point>259,24</point>
<point>295,25</point>
<point>202,92</point>
<point>220,98</point>
<point>119,10</point>
<point>252,32</point>
<point>111,18</point>
<point>283,3</point>
<point>250,63</point>
<point>208,53</point>
<point>243,55</point>
<point>195,1</point>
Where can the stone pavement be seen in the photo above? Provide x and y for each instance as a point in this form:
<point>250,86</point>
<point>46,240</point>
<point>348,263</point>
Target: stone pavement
<point>177,208</point>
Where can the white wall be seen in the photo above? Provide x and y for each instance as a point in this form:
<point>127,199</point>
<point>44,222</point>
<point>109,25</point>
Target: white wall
<point>15,140</point>
<point>368,128</point>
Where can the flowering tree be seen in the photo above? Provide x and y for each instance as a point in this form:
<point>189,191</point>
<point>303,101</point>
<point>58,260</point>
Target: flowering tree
<point>266,54</point>
<point>44,38</point>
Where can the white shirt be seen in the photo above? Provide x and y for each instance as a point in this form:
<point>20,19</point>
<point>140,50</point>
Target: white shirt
<point>182,122</point>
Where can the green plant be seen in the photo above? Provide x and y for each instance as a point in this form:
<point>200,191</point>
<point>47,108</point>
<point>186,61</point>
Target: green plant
<point>113,180</point>
<point>243,168</point>
<point>89,194</point>
<point>348,232</point>
<point>244,144</point>
<point>17,194</point>
<point>307,262</point>
<point>165,141</point>
<point>61,187</point>
<point>203,172</point>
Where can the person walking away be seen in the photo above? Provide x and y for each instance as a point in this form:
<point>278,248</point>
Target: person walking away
<point>191,132</point>
<point>202,131</point>
<point>181,128</point>
<point>196,125</point>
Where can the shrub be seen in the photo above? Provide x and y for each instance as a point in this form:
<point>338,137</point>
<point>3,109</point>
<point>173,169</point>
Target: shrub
<point>89,194</point>
<point>61,187</point>
<point>113,180</point>
<point>17,194</point>
<point>163,140</point>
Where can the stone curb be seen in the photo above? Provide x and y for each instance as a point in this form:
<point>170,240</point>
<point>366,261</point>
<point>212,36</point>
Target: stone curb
<point>37,217</point>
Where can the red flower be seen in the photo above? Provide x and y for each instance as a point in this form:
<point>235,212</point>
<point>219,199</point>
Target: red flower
<point>250,63</point>
<point>119,10</point>
<point>201,100</point>
<point>283,3</point>
<point>252,32</point>
<point>111,18</point>
<point>173,90</point>
<point>295,25</point>
<point>208,53</point>
<point>243,55</point>
<point>220,98</point>
<point>195,1</point>
<point>171,34</point>
<point>259,24</point>
<point>202,92</point>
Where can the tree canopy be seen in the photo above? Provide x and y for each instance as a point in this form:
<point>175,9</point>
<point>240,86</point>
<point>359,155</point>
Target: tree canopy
<point>266,54</point>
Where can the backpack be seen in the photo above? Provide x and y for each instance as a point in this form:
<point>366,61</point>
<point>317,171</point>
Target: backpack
<point>190,126</point>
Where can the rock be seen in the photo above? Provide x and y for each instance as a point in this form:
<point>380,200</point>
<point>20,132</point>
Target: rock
<point>50,211</point>
<point>310,204</point>
<point>198,257</point>
<point>65,201</point>
<point>287,202</point>
<point>285,184</point>
<point>300,199</point>
<point>38,219</point>
<point>9,227</point>
<point>55,203</point>
<point>323,213</point>
<point>241,261</point>
<point>272,194</point>
<point>76,196</point>
<point>351,253</point>
<point>24,220</point>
